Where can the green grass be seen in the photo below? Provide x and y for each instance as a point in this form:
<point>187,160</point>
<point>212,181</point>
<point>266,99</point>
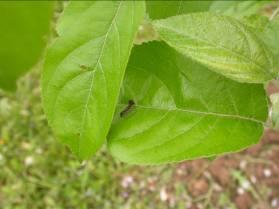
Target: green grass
<point>37,171</point>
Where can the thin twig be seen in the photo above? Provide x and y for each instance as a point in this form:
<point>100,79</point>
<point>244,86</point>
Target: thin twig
<point>274,14</point>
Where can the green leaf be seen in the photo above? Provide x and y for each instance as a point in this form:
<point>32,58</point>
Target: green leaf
<point>256,22</point>
<point>266,30</point>
<point>237,8</point>
<point>275,110</point>
<point>182,110</point>
<point>163,9</point>
<point>248,12</point>
<point>222,43</point>
<point>271,36</point>
<point>84,69</point>
<point>23,36</point>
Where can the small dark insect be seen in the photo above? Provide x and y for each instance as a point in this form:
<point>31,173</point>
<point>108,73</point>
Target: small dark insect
<point>84,67</point>
<point>128,108</point>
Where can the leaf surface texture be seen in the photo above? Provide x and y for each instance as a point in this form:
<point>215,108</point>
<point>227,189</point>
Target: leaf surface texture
<point>84,69</point>
<point>182,110</point>
<point>221,43</point>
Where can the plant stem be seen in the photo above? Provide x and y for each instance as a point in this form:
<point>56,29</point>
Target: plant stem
<point>274,14</point>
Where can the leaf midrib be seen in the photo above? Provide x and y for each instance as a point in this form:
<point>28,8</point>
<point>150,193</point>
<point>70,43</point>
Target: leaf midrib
<point>216,114</point>
<point>91,85</point>
<point>262,69</point>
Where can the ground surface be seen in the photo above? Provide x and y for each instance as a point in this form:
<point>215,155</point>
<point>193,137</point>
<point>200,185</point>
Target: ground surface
<point>38,172</point>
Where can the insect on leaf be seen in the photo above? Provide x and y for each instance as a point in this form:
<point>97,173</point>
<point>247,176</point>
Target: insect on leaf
<point>182,110</point>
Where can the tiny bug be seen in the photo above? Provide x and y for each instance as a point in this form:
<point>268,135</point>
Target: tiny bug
<point>84,67</point>
<point>131,103</point>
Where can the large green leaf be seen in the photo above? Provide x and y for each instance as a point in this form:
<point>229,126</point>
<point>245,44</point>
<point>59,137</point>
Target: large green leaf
<point>163,9</point>
<point>271,36</point>
<point>248,12</point>
<point>237,8</point>
<point>84,69</point>
<point>182,110</point>
<point>267,30</point>
<point>256,22</point>
<point>23,35</point>
<point>222,43</point>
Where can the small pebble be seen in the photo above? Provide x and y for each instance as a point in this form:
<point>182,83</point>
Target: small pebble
<point>207,175</point>
<point>188,204</point>
<point>39,151</point>
<point>88,193</point>
<point>29,160</point>
<point>26,145</point>
<point>142,184</point>
<point>179,172</point>
<point>127,181</point>
<point>163,194</point>
<point>243,164</point>
<point>217,187</point>
<point>274,203</point>
<point>267,172</point>
<point>240,191</point>
<point>253,179</point>
<point>245,185</point>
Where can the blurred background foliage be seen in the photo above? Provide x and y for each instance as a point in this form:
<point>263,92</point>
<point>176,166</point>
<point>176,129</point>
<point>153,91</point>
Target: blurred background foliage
<point>39,172</point>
